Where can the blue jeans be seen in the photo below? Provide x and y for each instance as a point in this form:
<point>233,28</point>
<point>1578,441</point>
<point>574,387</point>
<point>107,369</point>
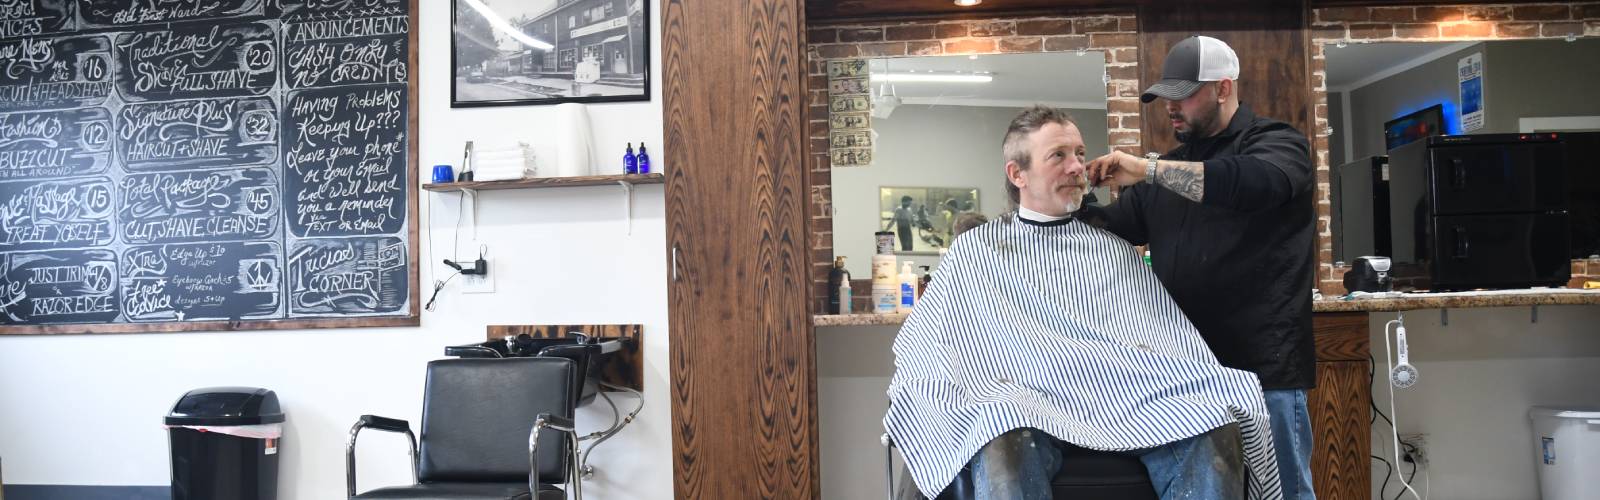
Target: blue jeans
<point>1020,464</point>
<point>1291,440</point>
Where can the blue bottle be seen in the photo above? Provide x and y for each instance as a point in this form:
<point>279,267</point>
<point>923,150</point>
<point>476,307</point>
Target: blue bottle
<point>630,163</point>
<point>644,160</point>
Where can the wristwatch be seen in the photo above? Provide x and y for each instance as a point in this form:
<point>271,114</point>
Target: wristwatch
<point>1150,168</point>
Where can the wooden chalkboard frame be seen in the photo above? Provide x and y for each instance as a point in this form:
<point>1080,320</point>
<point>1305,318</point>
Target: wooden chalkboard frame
<point>412,316</point>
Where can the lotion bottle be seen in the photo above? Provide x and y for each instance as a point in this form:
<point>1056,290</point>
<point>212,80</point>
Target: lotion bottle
<point>908,288</point>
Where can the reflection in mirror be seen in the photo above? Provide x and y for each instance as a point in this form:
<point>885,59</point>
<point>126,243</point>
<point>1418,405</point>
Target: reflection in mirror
<point>938,124</point>
<point>1383,95</point>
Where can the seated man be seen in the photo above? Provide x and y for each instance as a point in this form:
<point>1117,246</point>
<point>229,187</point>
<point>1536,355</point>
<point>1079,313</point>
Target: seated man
<point>1015,347</point>
<point>965,222</point>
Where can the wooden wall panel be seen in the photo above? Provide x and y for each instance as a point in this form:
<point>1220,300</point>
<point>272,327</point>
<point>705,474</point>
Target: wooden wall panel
<point>743,369</point>
<point>1341,422</point>
<point>1341,336</point>
<point>1341,463</point>
<point>1268,35</point>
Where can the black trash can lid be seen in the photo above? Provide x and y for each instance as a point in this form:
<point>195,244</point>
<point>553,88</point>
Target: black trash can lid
<point>226,406</point>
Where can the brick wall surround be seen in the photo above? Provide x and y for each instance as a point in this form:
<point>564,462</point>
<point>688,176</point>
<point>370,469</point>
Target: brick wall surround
<point>1114,34</point>
<point>1336,25</point>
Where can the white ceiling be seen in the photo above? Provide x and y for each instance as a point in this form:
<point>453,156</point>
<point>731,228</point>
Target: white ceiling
<point>1356,65</point>
<point>1062,79</point>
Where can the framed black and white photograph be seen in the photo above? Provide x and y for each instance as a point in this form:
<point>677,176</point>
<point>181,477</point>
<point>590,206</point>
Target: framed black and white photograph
<point>921,217</point>
<point>527,52</point>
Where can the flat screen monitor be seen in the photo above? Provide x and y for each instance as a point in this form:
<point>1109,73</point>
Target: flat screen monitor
<point>1426,122</point>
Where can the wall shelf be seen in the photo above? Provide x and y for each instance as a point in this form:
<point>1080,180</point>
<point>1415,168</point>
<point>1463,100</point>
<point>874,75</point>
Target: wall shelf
<point>627,181</point>
<point>548,182</point>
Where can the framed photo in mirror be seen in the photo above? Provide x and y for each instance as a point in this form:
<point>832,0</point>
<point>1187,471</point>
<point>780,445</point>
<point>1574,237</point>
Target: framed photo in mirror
<point>921,217</point>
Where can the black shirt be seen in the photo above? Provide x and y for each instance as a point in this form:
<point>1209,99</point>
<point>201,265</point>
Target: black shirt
<point>1241,264</point>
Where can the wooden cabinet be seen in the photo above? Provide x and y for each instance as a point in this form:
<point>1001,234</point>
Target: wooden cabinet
<point>1341,424</point>
<point>741,359</point>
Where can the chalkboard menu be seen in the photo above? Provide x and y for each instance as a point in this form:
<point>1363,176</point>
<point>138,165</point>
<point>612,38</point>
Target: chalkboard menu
<point>206,165</point>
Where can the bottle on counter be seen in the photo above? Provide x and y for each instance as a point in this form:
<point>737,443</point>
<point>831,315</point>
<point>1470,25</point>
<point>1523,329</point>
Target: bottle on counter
<point>908,288</point>
<point>630,163</point>
<point>923,280</point>
<point>885,284</point>
<point>644,160</point>
<point>883,270</point>
<point>838,286</point>
<point>885,299</point>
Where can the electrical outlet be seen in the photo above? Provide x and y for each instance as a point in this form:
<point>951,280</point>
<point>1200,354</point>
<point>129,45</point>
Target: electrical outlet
<point>479,283</point>
<point>1418,450</point>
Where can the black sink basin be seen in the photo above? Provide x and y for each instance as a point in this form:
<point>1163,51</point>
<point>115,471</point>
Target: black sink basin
<point>590,354</point>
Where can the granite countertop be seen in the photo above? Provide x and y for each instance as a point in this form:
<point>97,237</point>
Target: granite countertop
<point>858,319</point>
<point>1384,303</point>
<point>1459,300</point>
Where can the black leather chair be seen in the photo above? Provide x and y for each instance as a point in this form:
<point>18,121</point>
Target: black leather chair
<point>482,423</point>
<point>1085,475</point>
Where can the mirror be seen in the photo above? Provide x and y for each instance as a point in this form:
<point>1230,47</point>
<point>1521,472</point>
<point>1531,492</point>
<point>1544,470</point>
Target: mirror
<point>937,124</point>
<point>1382,95</point>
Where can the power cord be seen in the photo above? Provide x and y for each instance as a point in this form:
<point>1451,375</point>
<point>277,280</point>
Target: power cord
<point>1413,475</point>
<point>1386,475</point>
<point>1394,431</point>
<point>437,286</point>
<point>479,267</point>
<point>1411,451</point>
<point>1372,372</point>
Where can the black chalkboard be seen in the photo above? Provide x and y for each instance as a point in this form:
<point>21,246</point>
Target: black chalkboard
<point>206,164</point>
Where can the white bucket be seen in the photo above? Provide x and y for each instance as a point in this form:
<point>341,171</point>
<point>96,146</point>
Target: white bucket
<point>1567,452</point>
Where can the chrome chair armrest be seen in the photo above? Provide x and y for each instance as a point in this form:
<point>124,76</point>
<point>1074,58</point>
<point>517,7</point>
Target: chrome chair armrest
<point>376,423</point>
<point>559,424</point>
<point>888,465</point>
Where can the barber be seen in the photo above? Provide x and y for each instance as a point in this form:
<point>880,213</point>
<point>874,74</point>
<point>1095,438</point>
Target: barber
<point>1228,217</point>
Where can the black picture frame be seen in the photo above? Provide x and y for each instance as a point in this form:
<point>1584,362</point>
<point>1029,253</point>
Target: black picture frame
<point>486,71</point>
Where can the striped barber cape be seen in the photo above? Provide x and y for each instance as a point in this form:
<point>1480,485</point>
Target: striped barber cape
<point>1061,327</point>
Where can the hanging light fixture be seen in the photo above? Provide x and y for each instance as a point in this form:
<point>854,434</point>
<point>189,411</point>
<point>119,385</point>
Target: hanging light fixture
<point>968,3</point>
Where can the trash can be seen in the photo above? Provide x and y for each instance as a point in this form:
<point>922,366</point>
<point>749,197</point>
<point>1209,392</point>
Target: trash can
<point>1567,447</point>
<point>225,444</point>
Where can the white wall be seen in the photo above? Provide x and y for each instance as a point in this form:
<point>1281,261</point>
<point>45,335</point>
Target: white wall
<point>1538,78</point>
<point>1523,78</point>
<point>1479,376</point>
<point>1430,83</point>
<point>853,368</point>
<point>932,146</point>
<point>86,409</point>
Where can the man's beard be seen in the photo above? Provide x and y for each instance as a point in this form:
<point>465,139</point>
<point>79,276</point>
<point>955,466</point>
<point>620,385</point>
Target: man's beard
<point>1077,201</point>
<point>1199,126</point>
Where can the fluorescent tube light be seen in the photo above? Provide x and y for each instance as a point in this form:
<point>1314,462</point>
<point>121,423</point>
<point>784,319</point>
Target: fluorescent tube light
<point>931,77</point>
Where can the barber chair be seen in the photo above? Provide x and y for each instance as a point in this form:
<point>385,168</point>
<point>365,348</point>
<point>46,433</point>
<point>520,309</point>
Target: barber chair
<point>483,432</point>
<point>1085,475</point>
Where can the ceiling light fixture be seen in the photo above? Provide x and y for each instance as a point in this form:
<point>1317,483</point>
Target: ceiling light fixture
<point>968,3</point>
<point>931,77</point>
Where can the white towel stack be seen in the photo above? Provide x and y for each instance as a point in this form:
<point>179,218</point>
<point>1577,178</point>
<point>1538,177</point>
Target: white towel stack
<point>503,163</point>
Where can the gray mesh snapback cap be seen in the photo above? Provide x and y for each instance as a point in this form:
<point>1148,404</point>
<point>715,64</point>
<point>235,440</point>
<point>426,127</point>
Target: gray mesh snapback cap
<point>1191,63</point>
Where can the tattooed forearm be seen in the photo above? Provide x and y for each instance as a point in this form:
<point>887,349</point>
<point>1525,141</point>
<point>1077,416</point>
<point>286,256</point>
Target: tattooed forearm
<point>1187,178</point>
